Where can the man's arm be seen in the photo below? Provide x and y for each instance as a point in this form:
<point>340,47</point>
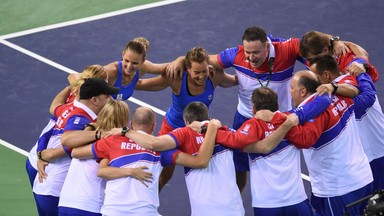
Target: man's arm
<point>343,89</point>
<point>201,160</point>
<point>303,136</point>
<point>82,152</point>
<point>160,143</point>
<point>312,109</point>
<point>367,96</point>
<point>51,154</point>
<point>269,143</point>
<point>77,138</point>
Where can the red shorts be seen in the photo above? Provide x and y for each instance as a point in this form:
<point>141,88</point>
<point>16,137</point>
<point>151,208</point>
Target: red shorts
<point>165,128</point>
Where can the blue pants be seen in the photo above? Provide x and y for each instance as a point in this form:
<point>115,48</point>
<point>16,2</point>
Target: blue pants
<point>377,167</point>
<point>337,205</point>
<point>47,205</point>
<point>300,209</point>
<point>31,171</point>
<point>66,211</point>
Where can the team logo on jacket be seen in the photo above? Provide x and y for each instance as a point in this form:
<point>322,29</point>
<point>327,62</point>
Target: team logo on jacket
<point>245,129</point>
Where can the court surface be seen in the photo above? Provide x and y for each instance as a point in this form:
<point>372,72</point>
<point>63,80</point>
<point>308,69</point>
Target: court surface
<point>41,42</point>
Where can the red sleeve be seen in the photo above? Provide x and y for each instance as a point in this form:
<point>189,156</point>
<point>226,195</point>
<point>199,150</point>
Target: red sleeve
<point>294,46</point>
<point>351,80</point>
<point>278,119</point>
<point>251,131</point>
<point>179,135</point>
<point>373,73</point>
<point>58,110</point>
<point>101,148</point>
<point>305,136</point>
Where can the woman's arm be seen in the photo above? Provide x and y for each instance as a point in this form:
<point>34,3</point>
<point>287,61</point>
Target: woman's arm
<point>108,172</point>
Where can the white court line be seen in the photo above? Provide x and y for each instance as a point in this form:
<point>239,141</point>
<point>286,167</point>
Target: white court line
<point>68,70</point>
<point>88,19</point>
<point>36,56</point>
<point>14,148</point>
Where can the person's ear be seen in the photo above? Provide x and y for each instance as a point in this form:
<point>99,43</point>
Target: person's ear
<point>326,50</point>
<point>185,121</point>
<point>327,75</point>
<point>303,92</point>
<point>254,109</point>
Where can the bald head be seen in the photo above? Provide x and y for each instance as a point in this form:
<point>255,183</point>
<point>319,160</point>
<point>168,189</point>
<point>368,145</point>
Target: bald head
<point>144,119</point>
<point>303,84</point>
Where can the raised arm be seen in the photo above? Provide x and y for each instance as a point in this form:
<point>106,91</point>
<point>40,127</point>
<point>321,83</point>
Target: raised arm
<point>73,78</point>
<point>59,99</point>
<point>357,50</point>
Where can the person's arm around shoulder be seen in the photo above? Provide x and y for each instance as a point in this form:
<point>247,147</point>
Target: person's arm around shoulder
<point>59,99</point>
<point>110,173</point>
<point>221,78</point>
<point>343,89</point>
<point>76,138</point>
<point>270,142</point>
<point>152,84</point>
<point>152,68</point>
<point>201,160</point>
<point>147,141</point>
<point>73,78</point>
<point>175,68</point>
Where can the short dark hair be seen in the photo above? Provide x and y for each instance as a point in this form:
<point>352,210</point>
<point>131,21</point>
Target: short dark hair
<point>325,62</point>
<point>265,98</point>
<point>254,33</point>
<point>309,82</point>
<point>313,42</point>
<point>196,111</point>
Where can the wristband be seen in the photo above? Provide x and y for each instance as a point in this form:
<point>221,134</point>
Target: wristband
<point>40,157</point>
<point>124,130</point>
<point>335,87</point>
<point>333,39</point>
<point>97,135</point>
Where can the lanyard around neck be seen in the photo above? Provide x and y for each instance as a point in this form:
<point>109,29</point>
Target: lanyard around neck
<point>271,62</point>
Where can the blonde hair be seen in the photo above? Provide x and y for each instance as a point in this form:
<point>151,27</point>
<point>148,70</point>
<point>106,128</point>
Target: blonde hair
<point>115,114</point>
<point>92,71</point>
<point>140,45</point>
